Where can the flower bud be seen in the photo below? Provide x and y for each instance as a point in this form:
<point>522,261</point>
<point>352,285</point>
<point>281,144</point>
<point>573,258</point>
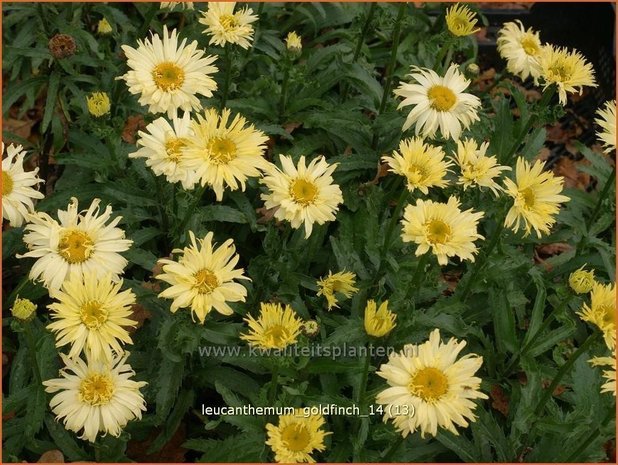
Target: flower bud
<point>293,43</point>
<point>23,309</point>
<point>311,328</point>
<point>98,104</point>
<point>104,27</point>
<point>581,281</point>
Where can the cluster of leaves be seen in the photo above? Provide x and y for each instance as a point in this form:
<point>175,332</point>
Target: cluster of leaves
<point>339,107</point>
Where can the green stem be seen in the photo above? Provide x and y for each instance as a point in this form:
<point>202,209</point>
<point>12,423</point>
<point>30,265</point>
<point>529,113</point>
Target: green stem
<point>393,222</point>
<point>32,352</point>
<point>417,279</point>
<point>481,262</point>
<point>272,393</point>
<point>391,65</point>
<point>365,30</point>
<point>284,88</point>
<point>447,60</point>
<point>597,208</point>
<point>532,119</point>
<point>150,14</point>
<point>389,453</point>
<point>190,211</point>
<point>558,309</point>
<point>362,388</point>
<point>591,437</point>
<point>227,78</point>
<point>160,204</point>
<point>563,370</point>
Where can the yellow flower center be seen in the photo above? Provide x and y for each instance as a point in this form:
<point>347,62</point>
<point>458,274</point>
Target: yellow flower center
<point>609,314</point>
<point>222,150</point>
<point>560,72</point>
<point>228,22</point>
<point>461,23</point>
<point>442,98</point>
<point>530,46</point>
<point>93,314</point>
<point>168,76</point>
<point>438,232</point>
<point>295,437</point>
<point>528,197</point>
<point>276,334</point>
<point>75,246</point>
<point>173,148</point>
<point>205,281</point>
<point>303,192</point>
<point>416,172</point>
<point>429,384</point>
<point>96,389</point>
<point>7,183</point>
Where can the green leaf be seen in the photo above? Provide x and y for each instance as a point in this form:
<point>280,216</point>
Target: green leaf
<point>52,96</point>
<point>504,321</point>
<point>184,402</point>
<point>166,386</point>
<point>221,213</point>
<point>64,440</point>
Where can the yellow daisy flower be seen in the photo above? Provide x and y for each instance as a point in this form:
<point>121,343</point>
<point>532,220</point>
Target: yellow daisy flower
<point>91,314</point>
<point>96,397</point>
<point>477,169</point>
<point>98,104</point>
<point>226,26</point>
<point>164,146</point>
<point>296,437</point>
<point>379,322</point>
<point>223,155</point>
<point>17,186</point>
<point>581,281</point>
<point>521,49</point>
<point>338,283</point>
<point>203,277</point>
<point>303,194</point>
<point>275,328</point>
<point>438,102</point>
<point>80,243</point>
<point>607,120</point>
<point>610,374</point>
<point>461,21</point>
<point>602,311</point>
<point>537,198</point>
<point>169,76</point>
<point>442,228</point>
<point>435,388</point>
<point>569,70</point>
<point>422,164</point>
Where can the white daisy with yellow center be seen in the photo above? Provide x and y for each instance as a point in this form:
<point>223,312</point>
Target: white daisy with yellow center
<point>203,278</point>
<point>436,389</point>
<point>438,102</point>
<point>302,194</point>
<point>169,76</point>
<point>521,49</point>
<point>96,398</point>
<point>441,228</point>
<point>80,243</point>
<point>17,186</point>
<point>477,169</point>
<point>224,25</point>
<point>92,315</point>
<point>296,437</point>
<point>422,164</point>
<point>606,118</point>
<point>164,146</point>
<point>568,70</point>
<point>224,154</point>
